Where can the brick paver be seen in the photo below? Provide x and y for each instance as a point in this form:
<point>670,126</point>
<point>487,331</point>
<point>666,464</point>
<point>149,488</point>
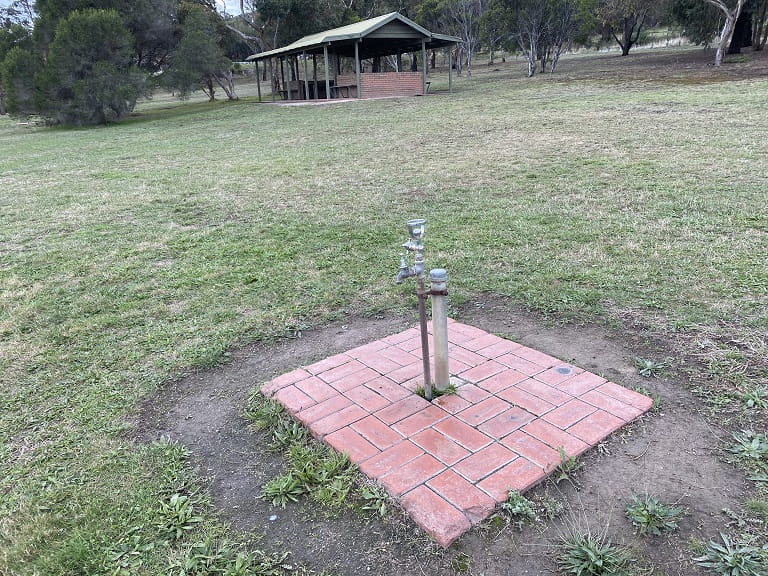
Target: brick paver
<point>475,503</point>
<point>484,462</point>
<point>515,413</point>
<point>411,474</point>
<point>444,448</point>
<point>377,433</point>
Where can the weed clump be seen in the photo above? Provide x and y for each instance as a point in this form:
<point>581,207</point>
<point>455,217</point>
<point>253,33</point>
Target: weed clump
<point>650,516</point>
<point>735,558</point>
<point>519,507</point>
<point>587,555</point>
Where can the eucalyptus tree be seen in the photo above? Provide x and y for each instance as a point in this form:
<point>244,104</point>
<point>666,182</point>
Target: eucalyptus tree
<point>530,31</point>
<point>199,62</point>
<point>759,14</point>
<point>544,29</point>
<point>273,23</point>
<point>699,21</point>
<point>495,26</point>
<point>461,18</point>
<point>706,20</point>
<point>564,23</point>
<point>625,20</point>
<point>730,9</point>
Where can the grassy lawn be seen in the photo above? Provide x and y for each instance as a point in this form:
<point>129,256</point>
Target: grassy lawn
<point>133,252</point>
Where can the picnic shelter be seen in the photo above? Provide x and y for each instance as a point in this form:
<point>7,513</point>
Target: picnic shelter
<point>390,35</point>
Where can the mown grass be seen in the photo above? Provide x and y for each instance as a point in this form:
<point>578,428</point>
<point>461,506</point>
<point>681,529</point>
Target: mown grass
<point>133,252</point>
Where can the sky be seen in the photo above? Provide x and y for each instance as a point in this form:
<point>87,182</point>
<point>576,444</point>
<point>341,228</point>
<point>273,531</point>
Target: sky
<point>231,6</point>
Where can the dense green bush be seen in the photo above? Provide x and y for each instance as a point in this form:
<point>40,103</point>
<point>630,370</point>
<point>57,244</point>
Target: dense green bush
<point>89,77</point>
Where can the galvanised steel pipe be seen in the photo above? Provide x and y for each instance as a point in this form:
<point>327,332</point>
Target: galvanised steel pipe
<point>416,231</point>
<point>438,278</point>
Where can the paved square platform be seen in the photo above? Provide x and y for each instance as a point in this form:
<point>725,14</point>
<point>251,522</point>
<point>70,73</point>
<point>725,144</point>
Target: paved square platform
<point>451,462</point>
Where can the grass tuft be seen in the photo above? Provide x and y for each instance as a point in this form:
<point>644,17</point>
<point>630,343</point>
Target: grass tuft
<point>651,516</point>
<point>732,558</point>
<point>587,555</point>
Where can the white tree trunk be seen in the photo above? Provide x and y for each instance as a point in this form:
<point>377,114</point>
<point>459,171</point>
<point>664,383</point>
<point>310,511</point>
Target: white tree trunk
<point>226,80</point>
<point>731,15</point>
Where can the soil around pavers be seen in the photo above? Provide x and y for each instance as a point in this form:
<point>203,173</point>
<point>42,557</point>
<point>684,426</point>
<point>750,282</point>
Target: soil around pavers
<point>516,415</point>
<point>671,453</point>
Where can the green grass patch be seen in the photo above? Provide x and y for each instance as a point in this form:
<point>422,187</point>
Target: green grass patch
<point>133,252</point>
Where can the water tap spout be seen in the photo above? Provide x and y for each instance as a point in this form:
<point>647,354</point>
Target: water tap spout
<point>404,272</point>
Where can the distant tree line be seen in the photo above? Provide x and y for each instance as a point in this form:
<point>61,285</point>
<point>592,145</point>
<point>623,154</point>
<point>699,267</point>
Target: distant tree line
<point>88,61</point>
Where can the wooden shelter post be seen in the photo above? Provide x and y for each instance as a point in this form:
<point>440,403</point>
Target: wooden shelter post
<point>450,69</point>
<point>357,69</point>
<point>282,72</point>
<point>271,79</point>
<point>306,77</point>
<point>327,72</point>
<point>423,66</point>
<point>258,80</point>
<point>314,75</point>
<point>291,76</point>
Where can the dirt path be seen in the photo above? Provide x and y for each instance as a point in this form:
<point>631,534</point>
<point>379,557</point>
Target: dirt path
<point>671,454</point>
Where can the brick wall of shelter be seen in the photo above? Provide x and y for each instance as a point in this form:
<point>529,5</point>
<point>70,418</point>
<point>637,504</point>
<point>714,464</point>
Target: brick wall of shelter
<point>380,84</point>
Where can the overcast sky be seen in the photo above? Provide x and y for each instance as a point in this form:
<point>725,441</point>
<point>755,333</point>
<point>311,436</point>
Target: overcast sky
<point>231,6</point>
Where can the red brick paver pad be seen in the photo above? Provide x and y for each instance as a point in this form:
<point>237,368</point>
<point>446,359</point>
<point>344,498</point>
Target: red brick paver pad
<point>516,413</point>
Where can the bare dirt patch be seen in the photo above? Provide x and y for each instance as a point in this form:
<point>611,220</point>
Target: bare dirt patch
<point>671,453</point>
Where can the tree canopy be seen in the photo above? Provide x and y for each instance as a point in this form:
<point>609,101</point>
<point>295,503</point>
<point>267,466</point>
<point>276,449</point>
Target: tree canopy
<point>87,61</point>
<point>89,76</point>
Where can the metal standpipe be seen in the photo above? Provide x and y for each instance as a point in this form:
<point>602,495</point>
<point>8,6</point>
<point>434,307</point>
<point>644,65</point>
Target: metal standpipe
<point>439,291</point>
<point>438,277</point>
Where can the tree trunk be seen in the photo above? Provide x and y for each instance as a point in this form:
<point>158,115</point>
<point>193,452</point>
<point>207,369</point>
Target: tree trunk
<point>544,58</point>
<point>727,33</point>
<point>760,26</point>
<point>209,89</point>
<point>556,51</point>
<point>725,37</point>
<point>531,57</point>
<point>227,83</point>
<point>742,33</point>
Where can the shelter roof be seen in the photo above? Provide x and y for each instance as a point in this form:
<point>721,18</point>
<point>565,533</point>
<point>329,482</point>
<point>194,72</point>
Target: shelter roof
<point>380,36</point>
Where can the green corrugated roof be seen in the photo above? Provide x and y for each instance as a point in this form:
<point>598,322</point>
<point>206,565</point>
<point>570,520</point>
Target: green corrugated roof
<point>349,32</point>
